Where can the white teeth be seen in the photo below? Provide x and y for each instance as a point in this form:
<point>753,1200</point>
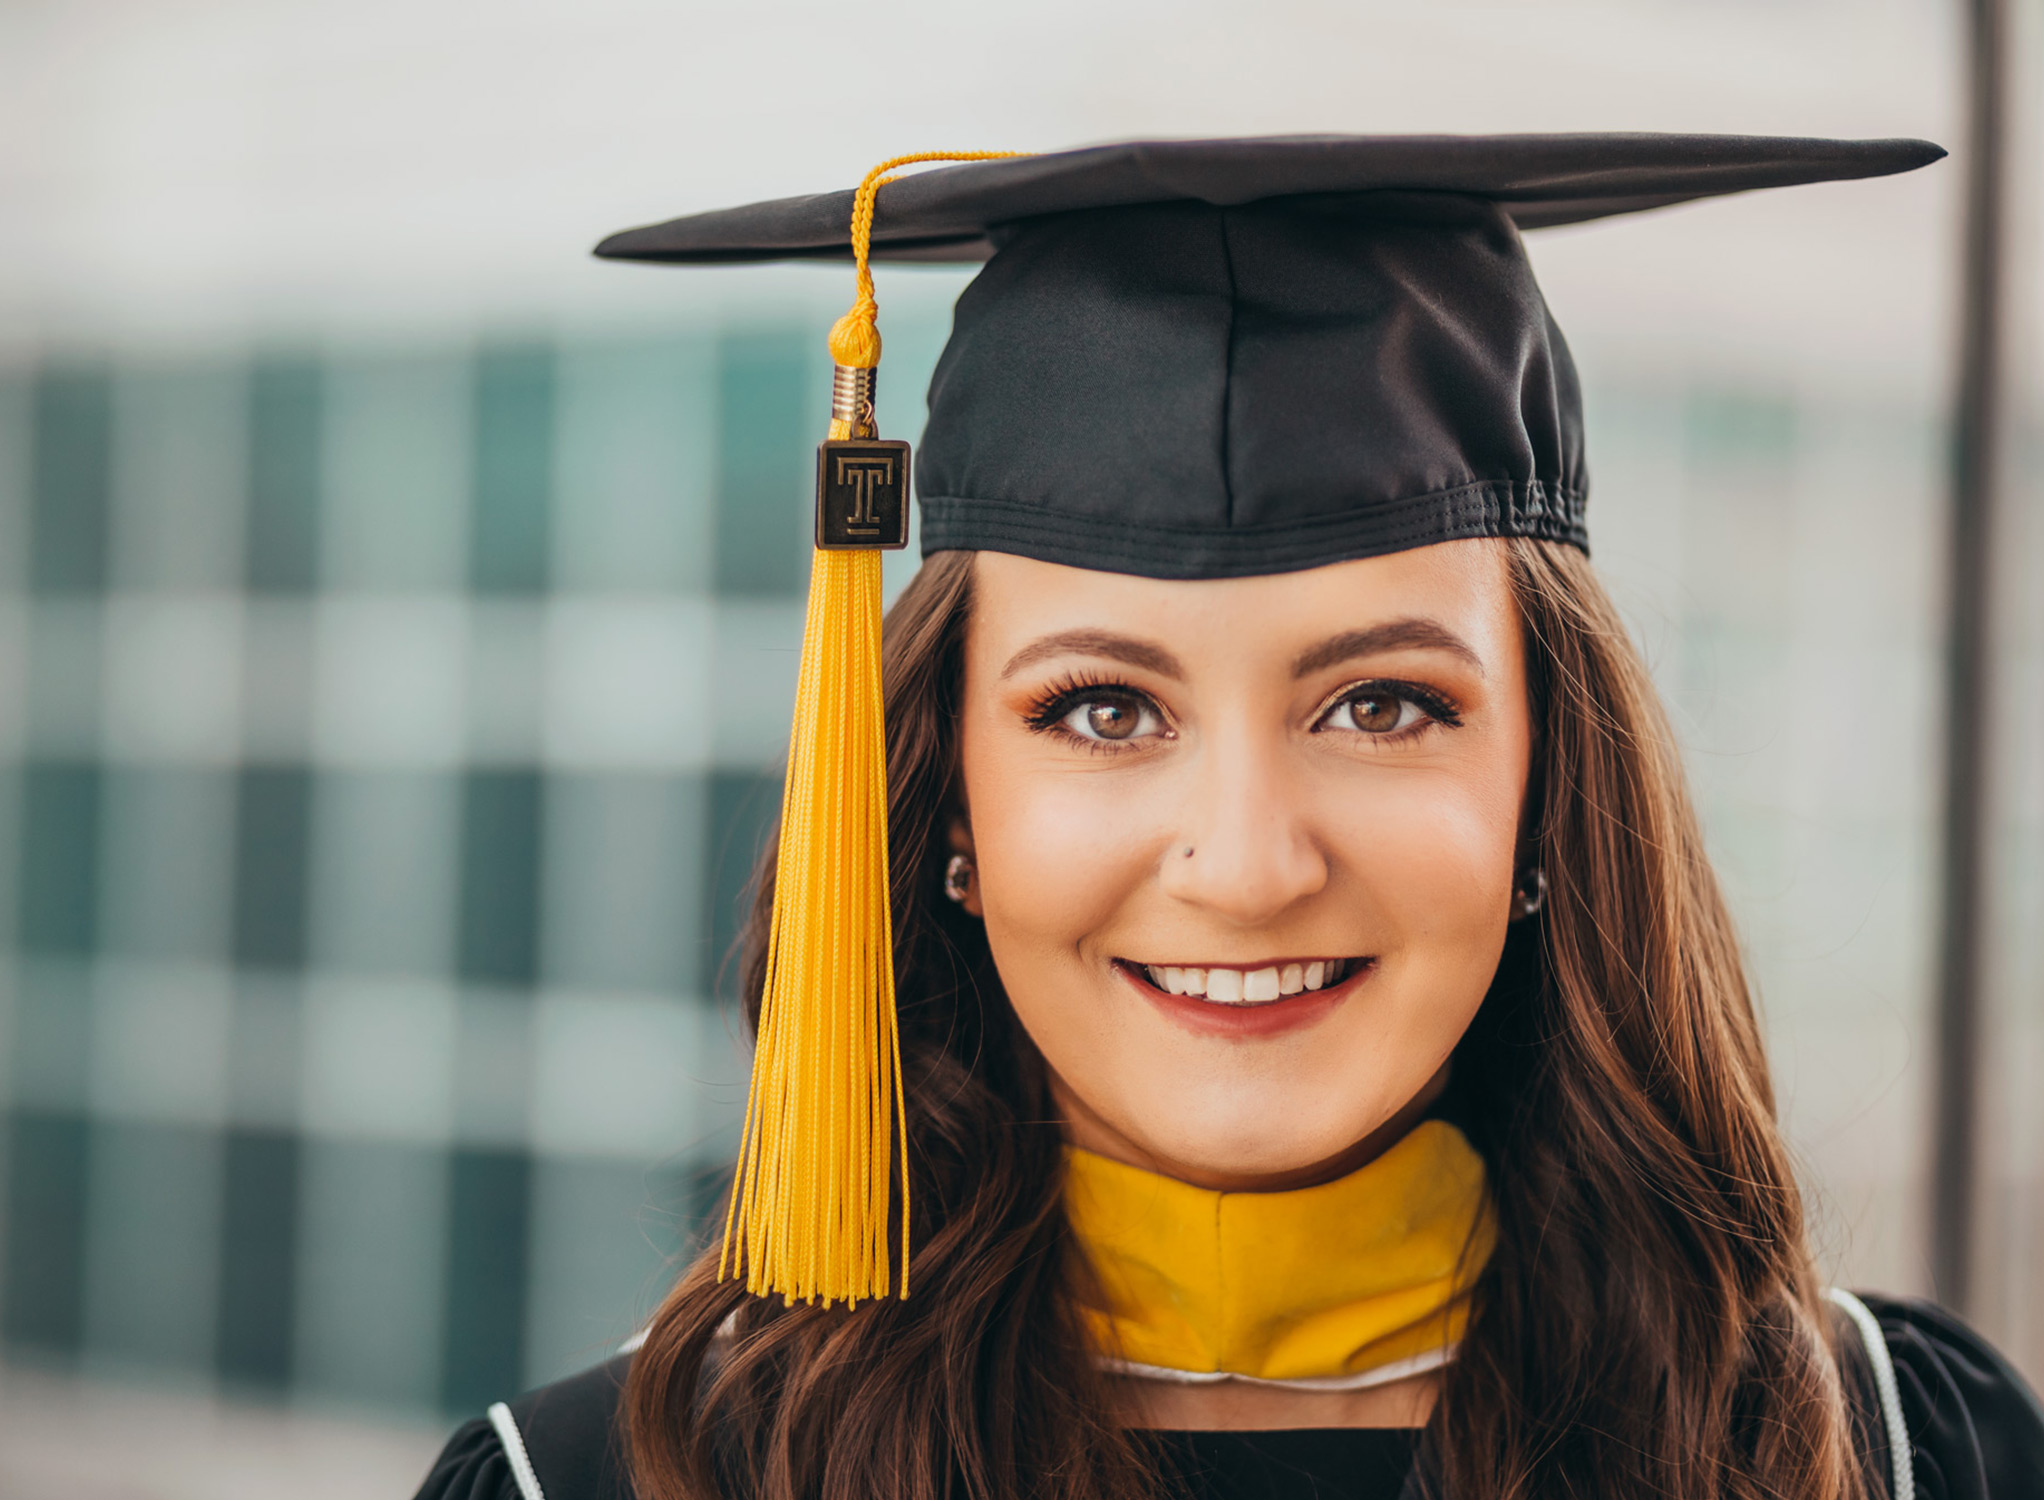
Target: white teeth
<point>1247,986</point>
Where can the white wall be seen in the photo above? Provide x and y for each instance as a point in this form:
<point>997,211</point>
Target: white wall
<point>219,167</point>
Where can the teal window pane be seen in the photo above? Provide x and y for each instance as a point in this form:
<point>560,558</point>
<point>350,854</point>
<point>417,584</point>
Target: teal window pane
<point>258,1257</point>
<point>767,431</point>
<point>371,1270</point>
<point>283,476</point>
<point>152,1245</point>
<point>58,877</point>
<point>624,865</point>
<point>395,512</point>
<point>384,852</point>
<point>272,822</point>
<point>266,1050</point>
<point>635,466</point>
<point>500,853</point>
<point>42,1302</point>
<point>606,1236</point>
<point>493,1067</point>
<point>72,431</point>
<point>66,675</point>
<point>513,468</point>
<point>180,477</point>
<point>169,854</point>
<point>17,454</point>
<point>47,1056</point>
<point>489,1224</point>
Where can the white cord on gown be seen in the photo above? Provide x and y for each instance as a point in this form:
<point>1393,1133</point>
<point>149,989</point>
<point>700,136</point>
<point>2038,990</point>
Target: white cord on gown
<point>1876,1343</point>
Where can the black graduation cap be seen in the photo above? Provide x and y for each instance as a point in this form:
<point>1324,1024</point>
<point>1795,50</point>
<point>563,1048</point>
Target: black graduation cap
<point>1183,359</point>
<point>1198,359</point>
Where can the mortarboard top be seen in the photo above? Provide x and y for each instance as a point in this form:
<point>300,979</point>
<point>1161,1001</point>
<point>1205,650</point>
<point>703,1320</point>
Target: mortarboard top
<point>1202,359</point>
<point>947,214</point>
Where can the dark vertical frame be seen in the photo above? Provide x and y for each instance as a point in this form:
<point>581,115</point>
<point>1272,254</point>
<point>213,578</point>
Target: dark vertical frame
<point>258,1258</point>
<point>57,877</point>
<point>1977,420</point>
<point>42,1302</point>
<point>272,860</point>
<point>499,908</point>
<point>489,1223</point>
<point>71,484</point>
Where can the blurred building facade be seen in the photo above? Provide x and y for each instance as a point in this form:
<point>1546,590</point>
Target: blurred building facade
<point>391,683</point>
<point>389,769</point>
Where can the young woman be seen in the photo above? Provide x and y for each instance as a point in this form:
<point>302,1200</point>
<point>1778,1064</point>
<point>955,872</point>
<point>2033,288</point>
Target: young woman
<point>1326,1061</point>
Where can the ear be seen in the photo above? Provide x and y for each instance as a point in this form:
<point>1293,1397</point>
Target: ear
<point>958,838</point>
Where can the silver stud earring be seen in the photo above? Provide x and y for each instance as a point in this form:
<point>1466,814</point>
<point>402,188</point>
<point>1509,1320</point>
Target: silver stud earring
<point>958,878</point>
<point>1529,893</point>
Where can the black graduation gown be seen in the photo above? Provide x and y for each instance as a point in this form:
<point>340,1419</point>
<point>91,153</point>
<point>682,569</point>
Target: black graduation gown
<point>1975,1428</point>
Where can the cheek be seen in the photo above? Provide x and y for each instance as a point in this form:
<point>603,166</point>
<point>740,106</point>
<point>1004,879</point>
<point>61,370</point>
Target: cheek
<point>1057,854</point>
<point>1434,860</point>
<point>1434,867</point>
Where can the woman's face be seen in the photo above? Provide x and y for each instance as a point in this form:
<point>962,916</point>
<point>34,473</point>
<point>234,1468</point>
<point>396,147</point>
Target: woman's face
<point>1244,848</point>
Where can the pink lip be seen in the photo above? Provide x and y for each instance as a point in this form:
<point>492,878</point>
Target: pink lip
<point>1272,1018</point>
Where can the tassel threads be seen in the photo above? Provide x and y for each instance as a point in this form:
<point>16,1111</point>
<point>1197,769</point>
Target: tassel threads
<point>810,1217</point>
<point>811,1210</point>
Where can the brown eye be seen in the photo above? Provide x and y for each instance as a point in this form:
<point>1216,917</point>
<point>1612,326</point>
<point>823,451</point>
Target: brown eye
<point>1375,714</point>
<point>1375,711</point>
<point>1112,719</point>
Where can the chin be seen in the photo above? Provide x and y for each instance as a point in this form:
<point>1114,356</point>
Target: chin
<point>1216,1146</point>
<point>1220,1162</point>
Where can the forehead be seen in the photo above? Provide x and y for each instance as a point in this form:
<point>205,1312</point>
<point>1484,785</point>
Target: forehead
<point>1463,585</point>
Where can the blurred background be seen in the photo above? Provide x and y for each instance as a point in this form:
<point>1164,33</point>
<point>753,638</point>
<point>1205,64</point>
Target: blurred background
<point>398,617</point>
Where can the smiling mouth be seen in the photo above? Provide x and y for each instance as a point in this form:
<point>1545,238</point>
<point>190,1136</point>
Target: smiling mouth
<point>1264,986</point>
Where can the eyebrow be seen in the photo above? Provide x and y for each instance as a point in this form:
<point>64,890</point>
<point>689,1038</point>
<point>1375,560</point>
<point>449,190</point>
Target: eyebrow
<point>1105,643</point>
<point>1415,634</point>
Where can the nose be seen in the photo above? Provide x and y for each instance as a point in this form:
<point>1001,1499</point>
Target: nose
<point>1246,849</point>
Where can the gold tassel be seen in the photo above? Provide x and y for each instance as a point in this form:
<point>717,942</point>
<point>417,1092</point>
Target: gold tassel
<point>810,1208</point>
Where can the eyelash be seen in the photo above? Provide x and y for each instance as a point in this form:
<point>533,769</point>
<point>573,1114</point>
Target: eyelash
<point>1438,707</point>
<point>1048,713</point>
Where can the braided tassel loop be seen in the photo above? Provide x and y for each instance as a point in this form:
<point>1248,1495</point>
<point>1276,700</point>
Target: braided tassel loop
<point>812,1212</point>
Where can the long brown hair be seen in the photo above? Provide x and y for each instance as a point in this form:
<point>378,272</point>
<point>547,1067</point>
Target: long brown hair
<point>1648,1325</point>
